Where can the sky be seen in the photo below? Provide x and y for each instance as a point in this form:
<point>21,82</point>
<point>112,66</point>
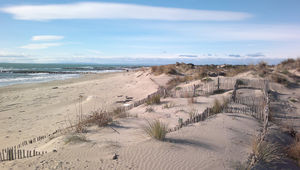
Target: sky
<point>149,32</point>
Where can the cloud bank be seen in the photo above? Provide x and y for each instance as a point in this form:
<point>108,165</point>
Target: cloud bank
<point>95,10</point>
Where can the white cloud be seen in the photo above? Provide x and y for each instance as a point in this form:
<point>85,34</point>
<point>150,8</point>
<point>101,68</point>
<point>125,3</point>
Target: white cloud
<point>46,37</point>
<point>40,46</point>
<point>95,10</point>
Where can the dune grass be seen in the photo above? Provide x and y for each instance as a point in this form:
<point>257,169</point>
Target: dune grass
<point>294,151</point>
<point>119,113</point>
<point>168,105</point>
<point>164,69</point>
<point>153,100</point>
<point>156,129</point>
<point>75,138</point>
<point>149,109</point>
<point>265,152</point>
<point>217,107</point>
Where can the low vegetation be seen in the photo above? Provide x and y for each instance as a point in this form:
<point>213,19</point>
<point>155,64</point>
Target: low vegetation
<point>156,129</point>
<point>164,69</point>
<point>153,100</point>
<point>294,150</point>
<point>265,152</point>
<point>169,105</point>
<point>217,107</point>
<point>289,64</point>
<point>149,109</point>
<point>75,138</point>
<point>99,118</point>
<point>280,79</point>
<point>120,113</point>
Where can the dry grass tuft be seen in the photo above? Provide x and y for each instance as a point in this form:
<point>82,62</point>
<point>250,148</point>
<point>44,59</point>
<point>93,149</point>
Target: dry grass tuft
<point>100,118</point>
<point>153,100</point>
<point>217,107</point>
<point>169,105</point>
<point>280,79</point>
<point>176,81</point>
<point>75,138</point>
<point>294,150</point>
<point>149,109</point>
<point>265,152</point>
<point>120,113</point>
<point>156,129</point>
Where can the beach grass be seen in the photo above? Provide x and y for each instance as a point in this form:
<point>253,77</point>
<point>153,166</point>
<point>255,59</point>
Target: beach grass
<point>153,100</point>
<point>294,150</point>
<point>156,129</point>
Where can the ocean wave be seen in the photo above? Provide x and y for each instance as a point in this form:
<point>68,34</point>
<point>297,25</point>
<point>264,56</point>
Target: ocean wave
<point>36,78</point>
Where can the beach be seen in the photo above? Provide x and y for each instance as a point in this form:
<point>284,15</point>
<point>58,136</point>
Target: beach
<point>41,114</point>
<point>29,110</point>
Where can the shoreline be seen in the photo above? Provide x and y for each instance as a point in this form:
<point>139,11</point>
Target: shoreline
<point>81,77</point>
<point>76,76</point>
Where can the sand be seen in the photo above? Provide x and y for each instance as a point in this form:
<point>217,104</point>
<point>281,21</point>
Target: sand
<point>220,142</point>
<point>30,110</point>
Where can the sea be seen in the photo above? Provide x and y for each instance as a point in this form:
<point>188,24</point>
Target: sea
<point>14,73</point>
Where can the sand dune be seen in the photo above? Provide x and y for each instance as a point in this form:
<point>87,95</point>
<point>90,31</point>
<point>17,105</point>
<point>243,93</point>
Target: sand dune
<point>222,141</point>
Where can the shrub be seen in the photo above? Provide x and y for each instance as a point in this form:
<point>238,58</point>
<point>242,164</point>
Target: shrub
<point>153,100</point>
<point>156,129</point>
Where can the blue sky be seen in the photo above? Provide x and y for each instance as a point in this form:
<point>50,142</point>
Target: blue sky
<point>149,32</point>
